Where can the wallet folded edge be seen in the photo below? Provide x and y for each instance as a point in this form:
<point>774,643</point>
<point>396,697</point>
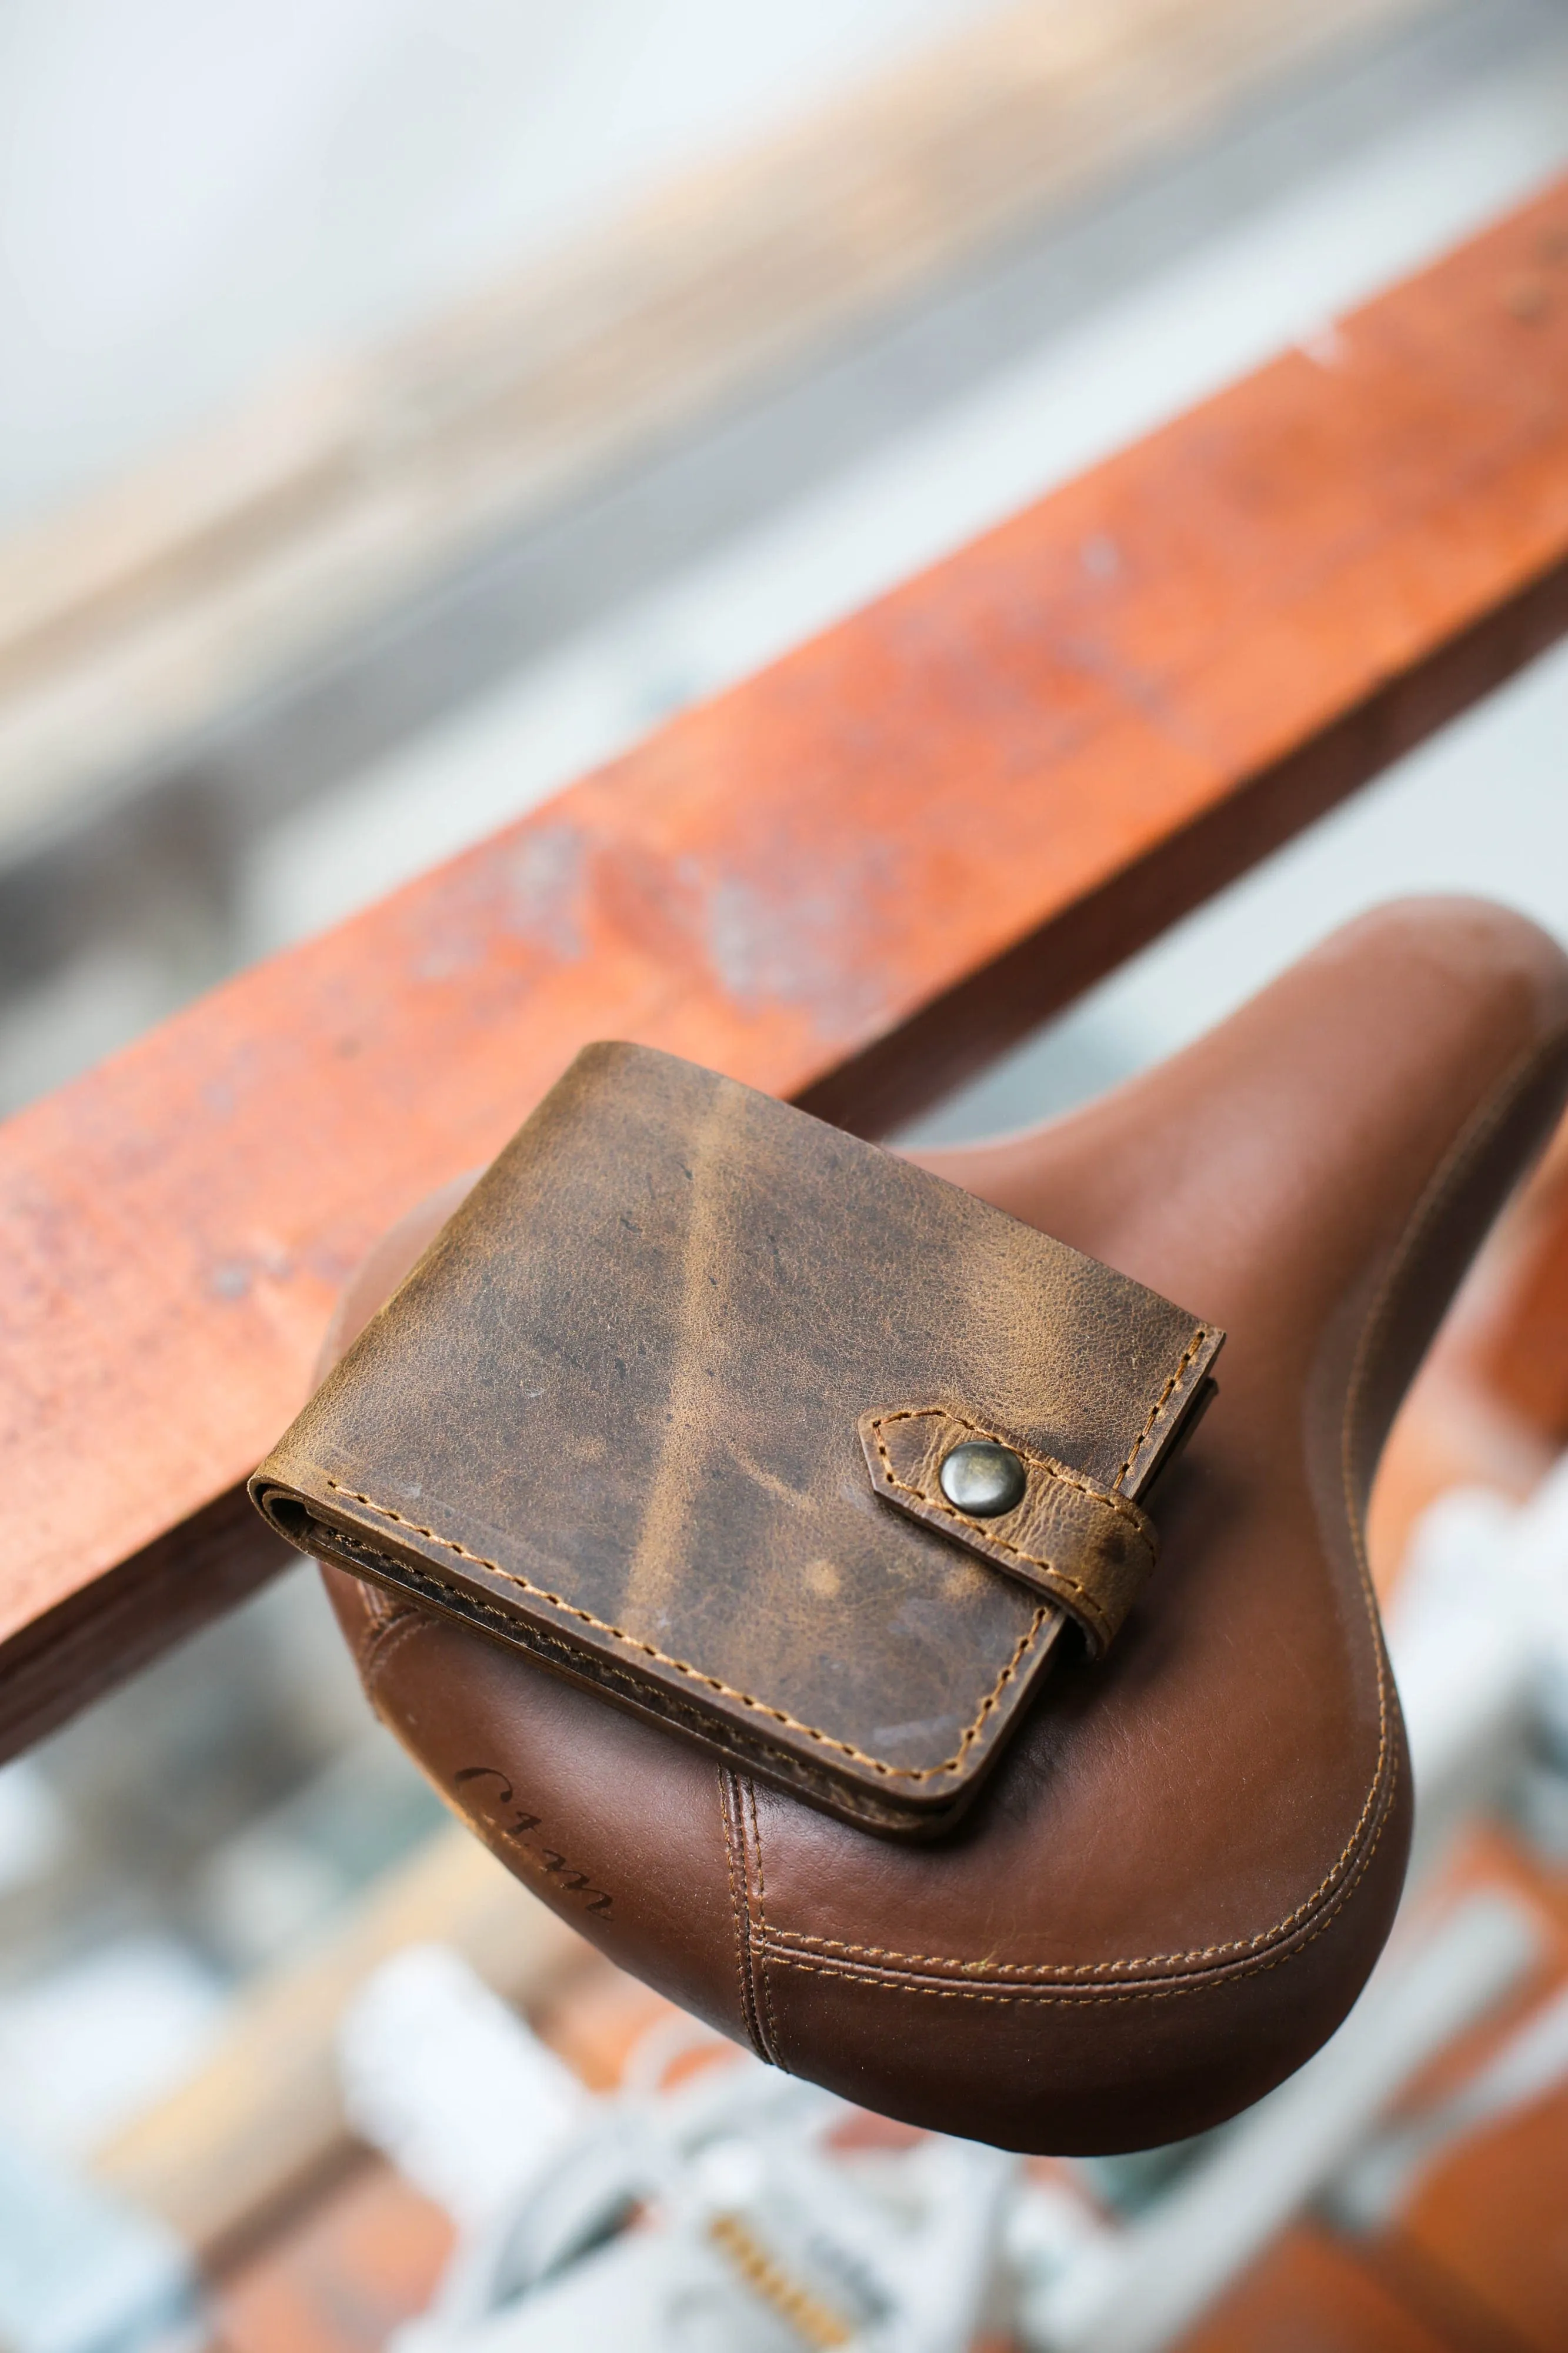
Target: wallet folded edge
<point>670,1694</point>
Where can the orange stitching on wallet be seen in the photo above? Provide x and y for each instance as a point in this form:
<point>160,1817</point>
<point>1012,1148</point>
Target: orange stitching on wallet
<point>1444,1182</point>
<point>1059,1472</point>
<point>1056,1471</point>
<point>543,1643</point>
<point>1158,1407</point>
<point>727,1691</point>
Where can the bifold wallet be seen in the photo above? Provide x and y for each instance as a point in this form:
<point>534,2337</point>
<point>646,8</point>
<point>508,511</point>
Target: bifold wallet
<point>757,1430</point>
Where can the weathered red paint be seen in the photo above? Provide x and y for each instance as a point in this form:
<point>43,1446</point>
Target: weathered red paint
<point>863,870</point>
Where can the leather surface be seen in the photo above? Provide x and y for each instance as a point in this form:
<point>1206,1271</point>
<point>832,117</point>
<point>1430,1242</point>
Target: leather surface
<point>1084,1547</point>
<point>1173,1885</point>
<point>614,1415</point>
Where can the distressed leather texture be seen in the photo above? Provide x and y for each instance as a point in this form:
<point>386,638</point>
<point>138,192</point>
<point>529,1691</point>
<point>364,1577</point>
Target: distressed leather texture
<point>1085,1546</point>
<point>615,1418</point>
<point>1171,1888</point>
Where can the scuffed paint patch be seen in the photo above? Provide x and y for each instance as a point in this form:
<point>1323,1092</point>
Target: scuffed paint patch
<point>236,1277</point>
<point>804,947</point>
<point>544,889</point>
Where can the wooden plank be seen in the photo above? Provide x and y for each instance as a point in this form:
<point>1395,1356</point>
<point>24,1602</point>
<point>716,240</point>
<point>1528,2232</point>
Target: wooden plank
<point>848,881</point>
<point>132,623</point>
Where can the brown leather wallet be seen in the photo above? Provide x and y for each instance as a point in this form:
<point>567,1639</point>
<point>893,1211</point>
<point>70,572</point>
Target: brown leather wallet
<point>757,1431</point>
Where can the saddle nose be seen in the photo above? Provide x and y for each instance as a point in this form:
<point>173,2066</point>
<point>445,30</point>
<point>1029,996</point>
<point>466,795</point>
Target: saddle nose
<point>1183,1868</point>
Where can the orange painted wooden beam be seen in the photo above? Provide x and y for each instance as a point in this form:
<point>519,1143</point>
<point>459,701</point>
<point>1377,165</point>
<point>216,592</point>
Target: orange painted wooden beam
<point>848,880</point>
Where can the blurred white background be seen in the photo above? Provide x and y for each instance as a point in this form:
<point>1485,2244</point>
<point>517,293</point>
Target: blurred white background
<point>194,199</point>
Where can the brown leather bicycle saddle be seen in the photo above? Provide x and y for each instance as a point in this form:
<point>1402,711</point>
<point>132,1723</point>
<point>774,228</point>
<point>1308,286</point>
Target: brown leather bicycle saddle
<point>1180,1873</point>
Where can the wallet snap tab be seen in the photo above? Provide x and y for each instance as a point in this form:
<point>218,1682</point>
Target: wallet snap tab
<point>1082,1546</point>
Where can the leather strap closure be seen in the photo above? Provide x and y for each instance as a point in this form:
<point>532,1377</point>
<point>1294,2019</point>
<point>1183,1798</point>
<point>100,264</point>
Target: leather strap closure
<point>1084,1547</point>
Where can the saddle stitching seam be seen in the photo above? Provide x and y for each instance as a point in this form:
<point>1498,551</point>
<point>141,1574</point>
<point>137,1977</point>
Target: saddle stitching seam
<point>1205,1982</point>
<point>1442,1185</point>
<point>728,1786</point>
<point>1444,1182</point>
<point>389,1636</point>
<point>775,2050</point>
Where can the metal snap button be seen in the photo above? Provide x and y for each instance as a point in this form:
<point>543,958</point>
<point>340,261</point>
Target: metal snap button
<point>982,1479</point>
